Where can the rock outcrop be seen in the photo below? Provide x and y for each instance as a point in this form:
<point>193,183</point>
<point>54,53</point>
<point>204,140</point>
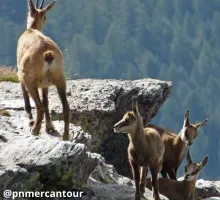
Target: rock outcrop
<point>46,163</point>
<point>96,106</point>
<point>207,189</point>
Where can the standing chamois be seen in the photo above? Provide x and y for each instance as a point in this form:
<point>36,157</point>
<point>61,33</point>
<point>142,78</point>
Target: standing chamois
<point>146,149</point>
<point>40,65</point>
<point>176,145</point>
<point>185,189</point>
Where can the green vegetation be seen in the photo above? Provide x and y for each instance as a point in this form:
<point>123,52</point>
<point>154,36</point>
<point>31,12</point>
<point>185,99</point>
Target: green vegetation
<point>129,39</point>
<point>8,74</point>
<point>4,112</point>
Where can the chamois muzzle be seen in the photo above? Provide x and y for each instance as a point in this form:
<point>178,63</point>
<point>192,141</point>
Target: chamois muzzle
<point>189,143</point>
<point>117,127</point>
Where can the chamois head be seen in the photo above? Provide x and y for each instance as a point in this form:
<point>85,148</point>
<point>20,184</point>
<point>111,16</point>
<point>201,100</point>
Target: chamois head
<point>37,16</point>
<point>193,169</point>
<point>190,131</point>
<point>130,119</point>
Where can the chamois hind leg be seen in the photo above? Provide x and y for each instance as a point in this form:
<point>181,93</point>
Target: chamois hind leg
<point>154,174</point>
<point>136,177</point>
<point>171,173</point>
<point>49,124</point>
<point>175,171</point>
<point>33,91</point>
<point>144,171</point>
<point>61,89</point>
<point>164,173</point>
<point>27,105</point>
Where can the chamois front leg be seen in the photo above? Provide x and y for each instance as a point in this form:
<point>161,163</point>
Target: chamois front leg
<point>164,173</point>
<point>154,174</point>
<point>33,91</point>
<point>136,177</point>
<point>144,171</point>
<point>49,124</point>
<point>164,170</point>
<point>27,105</point>
<point>66,112</point>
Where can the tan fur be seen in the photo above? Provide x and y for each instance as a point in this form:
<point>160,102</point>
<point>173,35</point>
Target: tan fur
<point>145,150</point>
<point>176,145</point>
<point>181,190</point>
<point>40,65</point>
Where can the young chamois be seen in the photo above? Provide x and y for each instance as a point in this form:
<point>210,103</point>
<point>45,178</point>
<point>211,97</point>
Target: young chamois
<point>176,145</point>
<point>185,189</point>
<point>146,149</point>
<point>40,65</point>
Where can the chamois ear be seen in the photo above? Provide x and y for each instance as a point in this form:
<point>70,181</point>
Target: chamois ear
<point>204,162</point>
<point>31,6</point>
<point>189,160</point>
<point>201,124</point>
<point>49,6</point>
<point>186,118</point>
<point>135,106</point>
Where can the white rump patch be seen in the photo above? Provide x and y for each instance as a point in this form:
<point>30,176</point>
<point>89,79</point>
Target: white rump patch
<point>49,67</point>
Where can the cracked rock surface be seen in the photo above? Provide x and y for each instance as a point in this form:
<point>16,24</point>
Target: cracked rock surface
<point>45,163</point>
<point>96,106</point>
<point>29,163</point>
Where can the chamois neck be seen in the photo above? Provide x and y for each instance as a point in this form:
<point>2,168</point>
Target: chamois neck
<point>137,134</point>
<point>189,186</point>
<point>32,23</point>
<point>181,137</point>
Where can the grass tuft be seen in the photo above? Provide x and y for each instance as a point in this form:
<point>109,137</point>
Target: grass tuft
<point>8,74</point>
<point>4,112</point>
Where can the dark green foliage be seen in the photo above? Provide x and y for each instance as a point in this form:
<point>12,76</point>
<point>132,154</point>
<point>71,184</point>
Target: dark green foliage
<point>165,39</point>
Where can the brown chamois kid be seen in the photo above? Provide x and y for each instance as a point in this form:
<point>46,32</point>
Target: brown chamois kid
<point>185,189</point>
<point>176,145</point>
<point>40,65</point>
<point>146,149</point>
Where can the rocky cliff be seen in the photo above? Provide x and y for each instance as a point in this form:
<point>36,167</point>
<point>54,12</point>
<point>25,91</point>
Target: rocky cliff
<point>45,163</point>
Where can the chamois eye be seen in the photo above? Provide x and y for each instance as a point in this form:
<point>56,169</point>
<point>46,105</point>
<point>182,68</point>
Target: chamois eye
<point>127,121</point>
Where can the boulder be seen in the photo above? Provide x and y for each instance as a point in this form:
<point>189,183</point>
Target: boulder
<point>29,163</point>
<point>208,189</point>
<point>96,105</point>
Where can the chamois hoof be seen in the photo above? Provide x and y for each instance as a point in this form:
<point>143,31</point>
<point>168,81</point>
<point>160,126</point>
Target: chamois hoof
<point>142,189</point>
<point>35,133</point>
<point>64,138</point>
<point>137,197</point>
<point>31,122</point>
<point>50,127</point>
<point>157,197</point>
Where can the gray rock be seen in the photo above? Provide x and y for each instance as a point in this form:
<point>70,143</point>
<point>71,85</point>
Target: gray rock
<point>46,163</point>
<point>29,163</point>
<point>96,106</point>
<point>207,189</point>
<point>106,184</point>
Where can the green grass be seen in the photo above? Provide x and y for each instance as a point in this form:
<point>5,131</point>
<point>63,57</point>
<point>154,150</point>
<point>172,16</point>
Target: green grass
<point>8,74</point>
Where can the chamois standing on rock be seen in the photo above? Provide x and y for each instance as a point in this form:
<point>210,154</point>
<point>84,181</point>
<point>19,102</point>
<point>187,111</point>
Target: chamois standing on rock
<point>146,149</point>
<point>40,65</point>
<point>185,189</point>
<point>176,145</point>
